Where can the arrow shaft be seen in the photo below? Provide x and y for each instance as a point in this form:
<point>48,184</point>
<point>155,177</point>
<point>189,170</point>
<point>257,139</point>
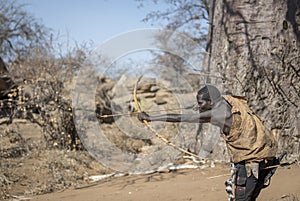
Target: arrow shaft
<point>134,113</point>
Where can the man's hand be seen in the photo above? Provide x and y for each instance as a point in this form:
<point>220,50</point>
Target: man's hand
<point>144,116</point>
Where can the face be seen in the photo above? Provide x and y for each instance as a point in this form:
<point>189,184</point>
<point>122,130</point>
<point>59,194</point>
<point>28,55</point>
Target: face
<point>203,105</point>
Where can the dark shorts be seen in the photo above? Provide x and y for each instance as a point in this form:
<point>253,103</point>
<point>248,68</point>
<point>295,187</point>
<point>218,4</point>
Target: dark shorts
<point>248,186</point>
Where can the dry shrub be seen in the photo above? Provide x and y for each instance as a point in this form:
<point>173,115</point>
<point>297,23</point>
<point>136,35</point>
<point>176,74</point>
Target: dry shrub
<point>42,95</point>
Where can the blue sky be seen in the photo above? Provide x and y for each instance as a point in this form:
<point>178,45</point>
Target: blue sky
<point>89,20</point>
<point>80,21</point>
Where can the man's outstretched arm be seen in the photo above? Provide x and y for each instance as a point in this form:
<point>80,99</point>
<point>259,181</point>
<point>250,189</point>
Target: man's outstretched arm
<point>191,118</point>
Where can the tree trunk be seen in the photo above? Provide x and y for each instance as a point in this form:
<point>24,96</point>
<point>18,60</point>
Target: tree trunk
<point>256,50</point>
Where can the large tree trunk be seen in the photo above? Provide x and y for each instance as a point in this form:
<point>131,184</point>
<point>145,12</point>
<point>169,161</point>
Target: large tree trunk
<point>255,48</point>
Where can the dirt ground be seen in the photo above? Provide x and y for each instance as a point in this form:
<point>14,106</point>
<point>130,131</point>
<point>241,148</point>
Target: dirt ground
<point>181,185</point>
<point>29,171</point>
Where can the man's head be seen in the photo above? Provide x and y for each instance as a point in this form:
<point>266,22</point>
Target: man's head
<point>207,96</point>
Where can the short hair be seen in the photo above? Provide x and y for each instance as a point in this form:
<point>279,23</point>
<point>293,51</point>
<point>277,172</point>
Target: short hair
<point>209,92</point>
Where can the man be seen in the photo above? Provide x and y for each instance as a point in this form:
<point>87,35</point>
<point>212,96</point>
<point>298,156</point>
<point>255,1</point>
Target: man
<point>251,145</point>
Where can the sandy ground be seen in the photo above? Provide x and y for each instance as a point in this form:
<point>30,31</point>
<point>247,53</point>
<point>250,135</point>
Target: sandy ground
<point>181,185</point>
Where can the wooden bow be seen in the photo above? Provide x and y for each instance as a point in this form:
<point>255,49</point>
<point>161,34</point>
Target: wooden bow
<point>137,106</point>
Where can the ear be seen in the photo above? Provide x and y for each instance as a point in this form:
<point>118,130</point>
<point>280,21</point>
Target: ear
<point>211,102</point>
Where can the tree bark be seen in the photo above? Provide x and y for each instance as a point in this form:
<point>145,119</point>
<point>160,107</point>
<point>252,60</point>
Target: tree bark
<point>256,50</point>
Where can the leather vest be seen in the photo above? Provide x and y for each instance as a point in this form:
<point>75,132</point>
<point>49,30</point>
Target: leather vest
<point>248,139</point>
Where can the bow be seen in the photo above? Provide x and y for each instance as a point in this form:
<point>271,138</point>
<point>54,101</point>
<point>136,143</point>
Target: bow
<point>137,105</point>
<point>159,136</point>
